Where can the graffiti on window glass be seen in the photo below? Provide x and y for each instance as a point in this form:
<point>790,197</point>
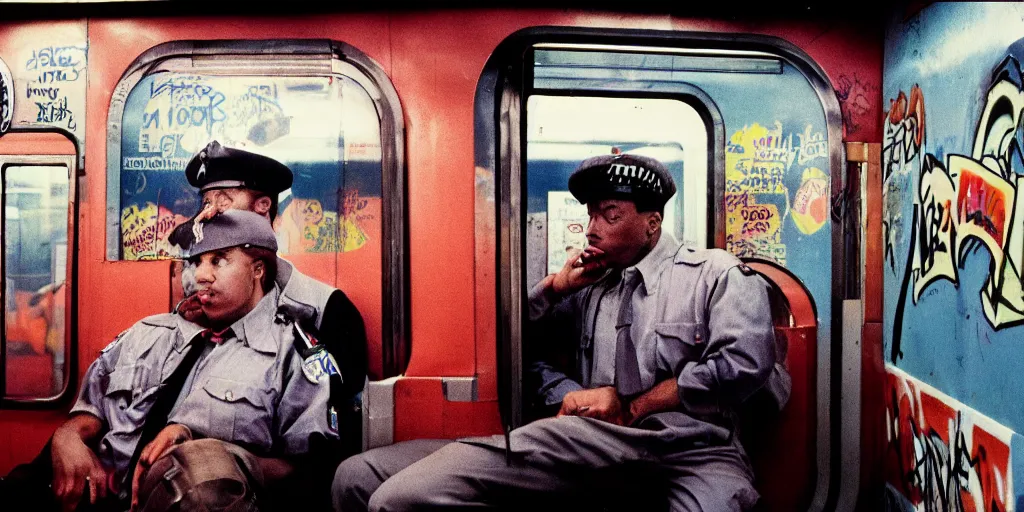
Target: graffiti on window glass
<point>297,120</point>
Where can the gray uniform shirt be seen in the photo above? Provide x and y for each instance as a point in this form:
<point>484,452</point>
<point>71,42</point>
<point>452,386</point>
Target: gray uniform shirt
<point>698,318</point>
<point>249,389</point>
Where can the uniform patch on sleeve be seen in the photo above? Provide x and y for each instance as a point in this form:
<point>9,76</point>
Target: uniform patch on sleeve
<point>312,369</point>
<point>319,364</point>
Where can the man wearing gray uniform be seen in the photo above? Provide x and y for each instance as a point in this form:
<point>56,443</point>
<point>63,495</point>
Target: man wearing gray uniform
<point>669,341</point>
<point>229,178</point>
<point>166,381</point>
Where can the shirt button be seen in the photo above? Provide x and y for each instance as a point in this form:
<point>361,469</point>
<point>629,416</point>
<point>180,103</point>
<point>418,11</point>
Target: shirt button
<point>229,395</point>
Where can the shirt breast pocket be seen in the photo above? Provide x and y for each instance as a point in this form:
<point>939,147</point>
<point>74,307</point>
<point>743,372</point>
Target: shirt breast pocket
<point>237,412</point>
<point>128,394</point>
<point>679,343</point>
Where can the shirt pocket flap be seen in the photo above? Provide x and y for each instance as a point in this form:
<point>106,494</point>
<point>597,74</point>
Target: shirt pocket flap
<point>135,379</point>
<point>232,391</point>
<point>686,332</point>
<point>121,380</point>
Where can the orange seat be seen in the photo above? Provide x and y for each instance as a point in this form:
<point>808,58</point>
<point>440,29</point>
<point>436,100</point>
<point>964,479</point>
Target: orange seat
<point>782,450</point>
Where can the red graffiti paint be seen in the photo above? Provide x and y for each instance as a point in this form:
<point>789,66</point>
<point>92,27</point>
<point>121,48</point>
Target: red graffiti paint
<point>982,204</point>
<point>902,109</point>
<point>937,457</point>
<point>993,458</point>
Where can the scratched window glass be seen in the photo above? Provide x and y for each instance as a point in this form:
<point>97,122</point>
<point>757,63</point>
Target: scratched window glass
<point>35,239</point>
<point>325,129</point>
<point>564,131</point>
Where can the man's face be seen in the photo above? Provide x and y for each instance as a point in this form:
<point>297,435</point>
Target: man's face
<point>228,284</point>
<point>618,229</point>
<point>224,199</point>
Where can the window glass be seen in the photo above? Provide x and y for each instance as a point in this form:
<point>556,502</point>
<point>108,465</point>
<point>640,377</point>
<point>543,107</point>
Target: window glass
<point>563,131</point>
<point>334,203</point>
<point>35,239</point>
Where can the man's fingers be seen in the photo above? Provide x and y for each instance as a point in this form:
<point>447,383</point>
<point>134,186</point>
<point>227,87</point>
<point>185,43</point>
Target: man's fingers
<point>167,450</point>
<point>99,483</point>
<point>569,406</point>
<point>593,266</point>
<point>64,485</point>
<point>92,489</point>
<point>136,480</point>
<point>74,493</point>
<point>574,257</point>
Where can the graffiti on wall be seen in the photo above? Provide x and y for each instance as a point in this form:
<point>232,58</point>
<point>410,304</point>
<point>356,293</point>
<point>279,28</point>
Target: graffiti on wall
<point>902,137</point>
<point>942,455</point>
<point>855,96</point>
<point>757,199</point>
<point>964,204</point>
<point>50,89</point>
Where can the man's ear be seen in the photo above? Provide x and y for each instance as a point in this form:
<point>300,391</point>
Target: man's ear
<point>262,205</point>
<point>259,269</point>
<point>653,222</point>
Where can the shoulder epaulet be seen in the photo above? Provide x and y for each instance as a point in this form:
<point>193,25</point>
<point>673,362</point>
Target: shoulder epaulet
<point>161,320</point>
<point>693,255</point>
<point>746,270</point>
<point>114,342</point>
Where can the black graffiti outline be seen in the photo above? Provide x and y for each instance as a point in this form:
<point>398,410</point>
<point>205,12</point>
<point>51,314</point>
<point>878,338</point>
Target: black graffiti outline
<point>926,475</point>
<point>853,88</point>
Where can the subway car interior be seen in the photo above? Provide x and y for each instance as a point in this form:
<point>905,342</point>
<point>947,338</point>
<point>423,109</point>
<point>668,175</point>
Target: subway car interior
<point>431,147</point>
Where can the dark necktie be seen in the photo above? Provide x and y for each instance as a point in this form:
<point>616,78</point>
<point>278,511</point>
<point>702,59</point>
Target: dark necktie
<point>167,396</point>
<point>627,369</point>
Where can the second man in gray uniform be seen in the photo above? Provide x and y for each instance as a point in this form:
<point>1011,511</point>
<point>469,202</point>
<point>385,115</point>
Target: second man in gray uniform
<point>668,342</point>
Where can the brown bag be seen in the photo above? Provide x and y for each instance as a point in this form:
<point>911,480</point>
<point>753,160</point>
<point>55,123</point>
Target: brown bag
<point>204,475</point>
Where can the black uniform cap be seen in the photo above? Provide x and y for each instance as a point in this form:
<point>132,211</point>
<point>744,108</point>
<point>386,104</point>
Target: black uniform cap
<point>216,166</point>
<point>641,179</point>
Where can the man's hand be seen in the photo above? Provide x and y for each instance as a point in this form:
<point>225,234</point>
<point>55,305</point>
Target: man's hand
<point>192,310</point>
<point>600,403</point>
<point>75,466</point>
<point>162,444</point>
<point>581,269</point>
<point>209,211</point>
<point>664,396</point>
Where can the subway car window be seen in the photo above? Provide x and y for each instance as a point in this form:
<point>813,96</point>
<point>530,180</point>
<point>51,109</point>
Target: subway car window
<point>334,121</point>
<point>334,203</point>
<point>774,165</point>
<point>563,131</point>
<point>35,240</point>
<point>755,180</point>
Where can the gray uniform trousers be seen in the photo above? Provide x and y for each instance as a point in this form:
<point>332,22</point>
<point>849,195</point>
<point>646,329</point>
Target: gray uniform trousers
<point>573,462</point>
